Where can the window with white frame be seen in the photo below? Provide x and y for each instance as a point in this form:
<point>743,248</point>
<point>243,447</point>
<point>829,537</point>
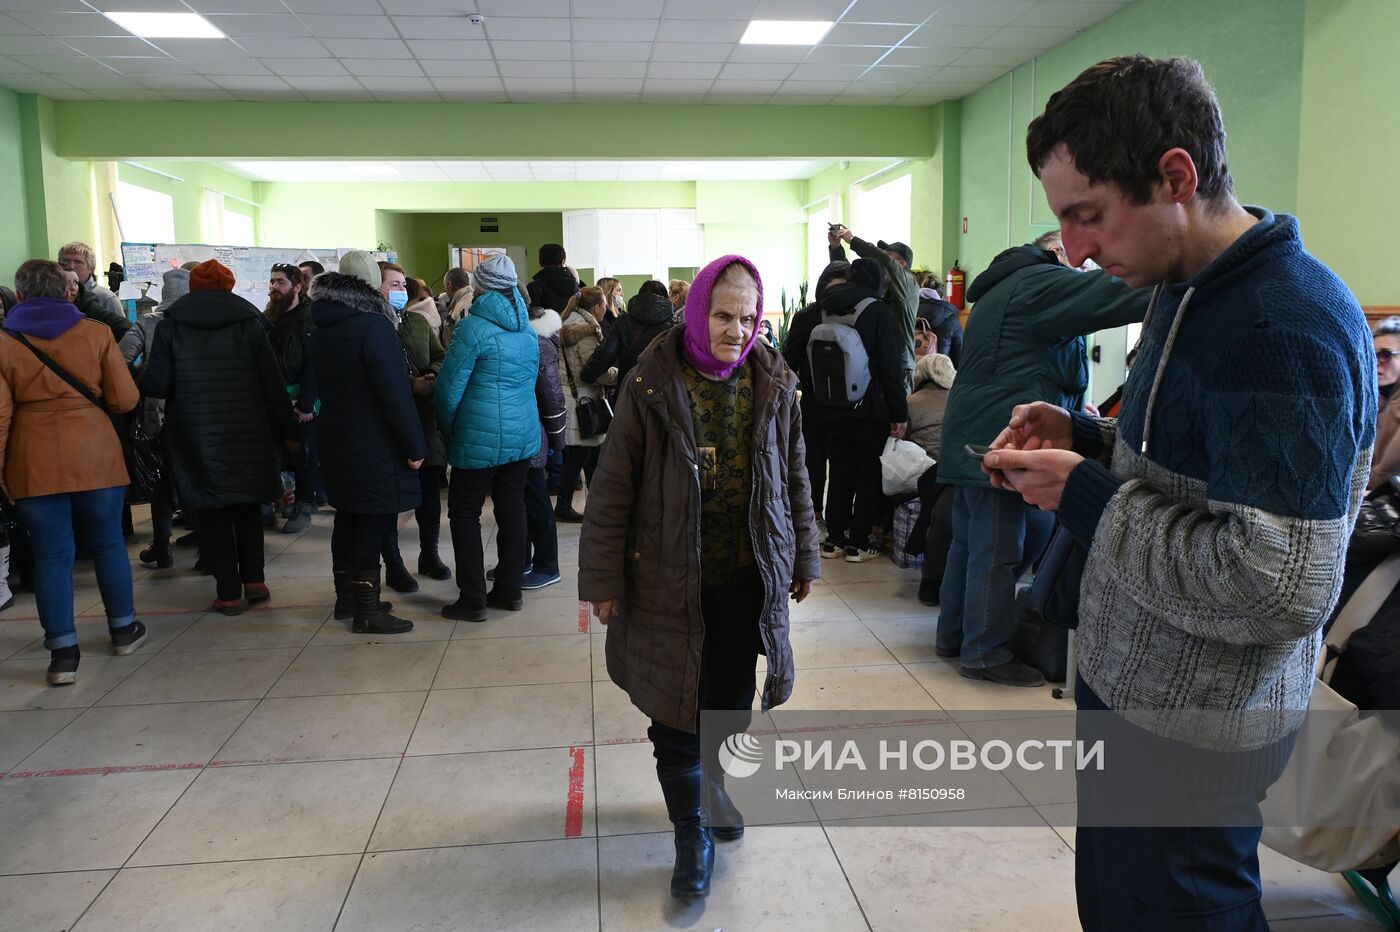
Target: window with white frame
<point>884,212</point>
<point>143,215</point>
<point>221,226</point>
<point>238,228</point>
<point>819,216</point>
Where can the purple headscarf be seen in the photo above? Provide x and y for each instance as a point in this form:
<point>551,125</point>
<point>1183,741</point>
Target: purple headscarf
<point>697,318</point>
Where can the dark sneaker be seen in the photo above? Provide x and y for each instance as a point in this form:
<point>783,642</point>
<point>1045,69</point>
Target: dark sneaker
<point>299,521</point>
<point>831,551</point>
<point>256,592</point>
<point>63,666</point>
<point>533,580</point>
<point>514,605</point>
<point>126,640</point>
<point>860,554</point>
<point>491,573</point>
<point>188,540</point>
<point>565,514</point>
<point>229,606</point>
<point>461,611</point>
<point>1011,673</point>
<point>158,556</point>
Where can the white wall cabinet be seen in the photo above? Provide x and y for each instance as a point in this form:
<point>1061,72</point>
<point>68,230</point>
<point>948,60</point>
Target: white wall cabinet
<point>633,242</point>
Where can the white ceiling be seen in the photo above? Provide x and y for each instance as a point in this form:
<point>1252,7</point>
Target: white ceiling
<point>594,170</point>
<point>900,52</point>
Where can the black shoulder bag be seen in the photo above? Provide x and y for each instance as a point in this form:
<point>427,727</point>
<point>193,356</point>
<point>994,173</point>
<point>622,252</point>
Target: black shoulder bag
<point>142,459</point>
<point>594,414</point>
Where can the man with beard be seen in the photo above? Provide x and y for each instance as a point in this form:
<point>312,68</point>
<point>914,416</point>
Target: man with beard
<point>289,314</point>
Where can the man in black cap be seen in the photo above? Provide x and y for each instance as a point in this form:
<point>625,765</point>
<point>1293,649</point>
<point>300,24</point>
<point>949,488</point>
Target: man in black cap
<point>903,293</point>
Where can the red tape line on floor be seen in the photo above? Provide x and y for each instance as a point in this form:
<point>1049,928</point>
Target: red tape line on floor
<point>101,771</point>
<point>573,818</point>
<point>583,618</point>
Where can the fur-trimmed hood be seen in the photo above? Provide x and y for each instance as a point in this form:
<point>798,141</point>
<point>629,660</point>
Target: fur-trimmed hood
<point>352,294</point>
<point>548,323</point>
<point>580,326</point>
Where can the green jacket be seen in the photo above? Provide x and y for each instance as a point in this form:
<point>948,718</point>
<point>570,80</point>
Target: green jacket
<point>425,354</point>
<point>1025,343</point>
<point>904,295</point>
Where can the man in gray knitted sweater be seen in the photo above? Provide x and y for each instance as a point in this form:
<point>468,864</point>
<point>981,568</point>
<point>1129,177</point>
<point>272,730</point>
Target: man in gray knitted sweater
<point>1217,508</point>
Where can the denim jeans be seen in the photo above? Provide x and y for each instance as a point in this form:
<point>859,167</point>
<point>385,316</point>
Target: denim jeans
<point>49,520</point>
<point>996,537</point>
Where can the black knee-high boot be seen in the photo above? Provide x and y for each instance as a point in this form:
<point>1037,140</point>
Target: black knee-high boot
<point>684,789</point>
<point>396,575</point>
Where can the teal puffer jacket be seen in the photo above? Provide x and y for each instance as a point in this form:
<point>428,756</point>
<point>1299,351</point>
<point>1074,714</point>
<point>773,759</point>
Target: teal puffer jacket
<point>485,394</point>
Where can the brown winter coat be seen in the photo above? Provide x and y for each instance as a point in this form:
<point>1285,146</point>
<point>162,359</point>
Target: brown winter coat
<point>52,439</point>
<point>641,533</point>
<point>1385,462</point>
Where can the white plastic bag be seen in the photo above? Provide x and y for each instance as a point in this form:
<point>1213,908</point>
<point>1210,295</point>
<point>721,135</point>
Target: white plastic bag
<point>901,465</point>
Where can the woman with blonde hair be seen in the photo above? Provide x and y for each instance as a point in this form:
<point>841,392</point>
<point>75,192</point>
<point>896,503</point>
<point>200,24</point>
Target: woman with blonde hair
<point>581,335</point>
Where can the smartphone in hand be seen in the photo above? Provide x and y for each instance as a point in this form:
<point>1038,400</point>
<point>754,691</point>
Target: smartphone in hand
<point>977,450</point>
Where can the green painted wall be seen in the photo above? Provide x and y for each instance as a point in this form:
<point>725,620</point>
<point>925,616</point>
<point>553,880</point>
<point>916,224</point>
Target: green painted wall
<point>58,192</point>
<point>421,239</point>
<point>1348,197</point>
<point>117,130</point>
<point>14,231</point>
<point>344,215</point>
<point>1251,50</point>
<point>187,194</point>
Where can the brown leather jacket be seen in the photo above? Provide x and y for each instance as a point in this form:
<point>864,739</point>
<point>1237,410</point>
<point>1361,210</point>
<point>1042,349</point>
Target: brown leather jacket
<point>641,534</point>
<point>1385,462</point>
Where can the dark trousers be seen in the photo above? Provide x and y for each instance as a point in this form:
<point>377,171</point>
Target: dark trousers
<point>231,543</point>
<point>429,513</point>
<point>1166,879</point>
<point>357,539</point>
<point>576,460</point>
<point>162,511</point>
<point>542,541</point>
<point>853,499</point>
<point>732,644</point>
<point>303,463</point>
<point>940,536</point>
<point>814,432</point>
<point>466,493</point>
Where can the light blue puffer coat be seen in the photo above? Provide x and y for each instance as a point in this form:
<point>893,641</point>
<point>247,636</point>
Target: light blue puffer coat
<point>485,394</point>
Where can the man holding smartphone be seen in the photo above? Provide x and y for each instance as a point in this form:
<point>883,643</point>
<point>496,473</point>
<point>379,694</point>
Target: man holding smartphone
<point>1216,509</point>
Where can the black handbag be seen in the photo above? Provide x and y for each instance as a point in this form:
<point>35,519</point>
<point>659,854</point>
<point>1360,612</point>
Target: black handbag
<point>143,466</point>
<point>1055,588</point>
<point>594,414</point>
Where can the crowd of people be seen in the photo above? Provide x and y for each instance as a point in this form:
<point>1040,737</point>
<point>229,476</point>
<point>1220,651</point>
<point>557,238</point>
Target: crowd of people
<point>720,470</point>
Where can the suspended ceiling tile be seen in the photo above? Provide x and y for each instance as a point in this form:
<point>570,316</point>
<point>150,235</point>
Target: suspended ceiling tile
<point>612,86</point>
<point>10,66</point>
<point>44,6</point>
<point>625,9</point>
<point>939,35</point>
<point>967,75</point>
<point>367,48</point>
<point>112,45</point>
<point>701,30</point>
<point>812,88</point>
<point>675,86</point>
<point>890,11</point>
<point>922,57</point>
<point>614,30</point>
<point>819,72</point>
<point>482,85</point>
<point>439,27</point>
<point>523,7</point>
<point>684,70</point>
<point>399,84</point>
<point>213,48</point>
<point>610,51</point>
<point>865,34</point>
<point>348,27</point>
<point>70,24</point>
<point>426,7</point>
<point>863,55</point>
<point>170,83</point>
<point>57,66</point>
<point>460,69</point>
<point>304,66</point>
<point>337,7</point>
<point>800,9</point>
<point>313,83</point>
<point>526,29</point>
<point>9,26</point>
<point>229,66</point>
<point>284,48</point>
<point>383,67</point>
<point>154,66</point>
<point>719,9</point>
<point>238,82</point>
<point>747,72</point>
<point>1031,39</point>
<point>693,51</point>
<point>531,51</point>
<point>35,83</point>
<point>32,45</point>
<point>735,88</point>
<point>259,26</point>
<point>991,58</point>
<point>611,69</point>
<point>982,12</point>
<point>536,69</point>
<point>448,50</point>
<point>536,85</point>
<point>235,6</point>
<point>200,94</point>
<point>908,76</point>
<point>1067,13</point>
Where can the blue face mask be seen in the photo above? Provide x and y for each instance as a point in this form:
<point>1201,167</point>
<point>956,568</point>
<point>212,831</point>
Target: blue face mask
<point>398,300</point>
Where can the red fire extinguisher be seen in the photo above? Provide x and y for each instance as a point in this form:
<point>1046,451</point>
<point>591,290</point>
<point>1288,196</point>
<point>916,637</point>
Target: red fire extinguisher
<point>957,281</point>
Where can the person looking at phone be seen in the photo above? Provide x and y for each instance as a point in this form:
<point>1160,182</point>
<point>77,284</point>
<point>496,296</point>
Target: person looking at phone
<point>1025,343</point>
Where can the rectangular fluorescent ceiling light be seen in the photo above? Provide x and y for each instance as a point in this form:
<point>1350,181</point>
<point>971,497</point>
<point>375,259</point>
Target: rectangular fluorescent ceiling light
<point>785,32</point>
<point>166,25</point>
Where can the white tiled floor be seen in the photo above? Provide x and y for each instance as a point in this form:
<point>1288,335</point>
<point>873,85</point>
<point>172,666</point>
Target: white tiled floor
<point>276,772</point>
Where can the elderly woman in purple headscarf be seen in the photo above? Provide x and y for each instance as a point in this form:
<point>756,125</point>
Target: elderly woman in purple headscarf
<point>699,528</point>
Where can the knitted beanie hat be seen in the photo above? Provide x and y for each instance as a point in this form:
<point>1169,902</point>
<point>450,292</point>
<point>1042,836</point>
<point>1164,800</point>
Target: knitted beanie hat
<point>211,275</point>
<point>360,264</point>
<point>175,285</point>
<point>697,318</point>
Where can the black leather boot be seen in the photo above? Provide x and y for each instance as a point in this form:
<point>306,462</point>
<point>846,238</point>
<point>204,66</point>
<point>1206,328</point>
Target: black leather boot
<point>344,601</point>
<point>429,563</point>
<point>396,575</point>
<point>726,821</point>
<point>369,617</point>
<point>684,789</point>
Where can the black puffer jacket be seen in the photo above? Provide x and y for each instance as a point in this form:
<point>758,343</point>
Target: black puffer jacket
<point>943,318</point>
<point>291,344</point>
<point>552,287</point>
<point>370,427</point>
<point>226,407</point>
<point>648,316</point>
